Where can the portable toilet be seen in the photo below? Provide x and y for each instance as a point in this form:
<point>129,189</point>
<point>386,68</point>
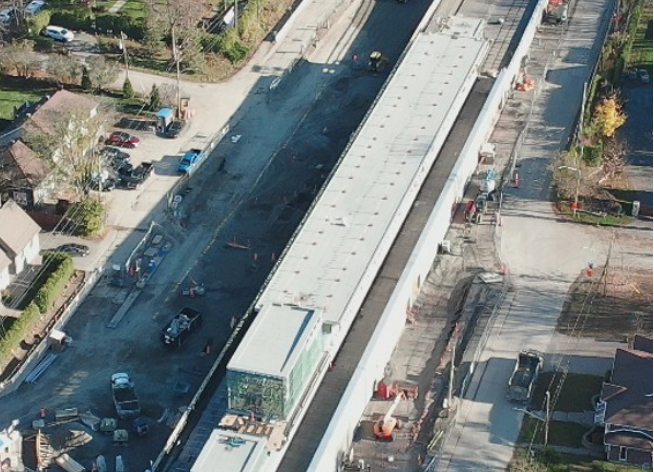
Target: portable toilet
<point>165,117</point>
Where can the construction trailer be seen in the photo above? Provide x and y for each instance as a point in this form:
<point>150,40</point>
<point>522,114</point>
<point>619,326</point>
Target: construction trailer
<point>269,378</point>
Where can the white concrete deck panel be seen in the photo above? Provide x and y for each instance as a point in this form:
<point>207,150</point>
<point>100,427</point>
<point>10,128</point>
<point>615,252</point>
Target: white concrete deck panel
<point>272,346</point>
<point>387,161</point>
<point>227,450</point>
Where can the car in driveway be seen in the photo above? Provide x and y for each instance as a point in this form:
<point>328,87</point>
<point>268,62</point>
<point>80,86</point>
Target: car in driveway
<point>74,249</point>
<point>122,139</point>
<point>132,178</point>
<point>175,129</point>
<point>7,15</point>
<point>34,7</point>
<point>114,157</point>
<point>190,161</point>
<point>58,33</point>
<point>102,184</point>
<point>643,76</point>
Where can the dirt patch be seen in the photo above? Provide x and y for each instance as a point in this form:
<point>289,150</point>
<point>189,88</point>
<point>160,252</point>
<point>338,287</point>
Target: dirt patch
<point>612,304</point>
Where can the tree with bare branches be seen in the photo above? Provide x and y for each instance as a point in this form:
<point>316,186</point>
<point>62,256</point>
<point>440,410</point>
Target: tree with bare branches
<point>19,57</point>
<point>613,159</point>
<point>70,143</point>
<point>64,69</point>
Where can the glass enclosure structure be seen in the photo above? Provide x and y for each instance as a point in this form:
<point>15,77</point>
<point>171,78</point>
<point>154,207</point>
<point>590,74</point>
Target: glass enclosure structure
<point>276,361</point>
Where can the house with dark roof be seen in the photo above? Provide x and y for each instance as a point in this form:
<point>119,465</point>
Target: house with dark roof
<point>24,177</point>
<point>19,239</point>
<point>625,406</point>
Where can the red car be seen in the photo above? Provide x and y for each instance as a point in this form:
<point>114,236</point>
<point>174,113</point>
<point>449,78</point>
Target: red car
<point>118,138</point>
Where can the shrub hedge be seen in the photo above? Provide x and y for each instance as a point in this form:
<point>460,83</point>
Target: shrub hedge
<point>61,271</point>
<point>54,285</point>
<point>81,19</point>
<point>15,334</point>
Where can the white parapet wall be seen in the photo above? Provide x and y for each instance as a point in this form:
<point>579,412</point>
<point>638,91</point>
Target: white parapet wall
<point>337,439</point>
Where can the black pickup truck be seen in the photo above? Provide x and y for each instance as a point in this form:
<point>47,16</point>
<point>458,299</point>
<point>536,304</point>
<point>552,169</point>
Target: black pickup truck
<point>178,330</point>
<point>132,178</point>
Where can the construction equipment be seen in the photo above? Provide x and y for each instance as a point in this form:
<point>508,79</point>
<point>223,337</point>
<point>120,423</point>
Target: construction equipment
<point>376,62</point>
<point>524,376</point>
<point>384,428</point>
<point>125,399</point>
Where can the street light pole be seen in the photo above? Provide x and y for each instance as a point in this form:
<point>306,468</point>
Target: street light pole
<point>578,171</point>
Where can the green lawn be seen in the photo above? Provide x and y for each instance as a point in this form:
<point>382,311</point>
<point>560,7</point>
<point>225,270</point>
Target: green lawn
<point>133,8</point>
<point>12,97</point>
<point>576,393</point>
<point>640,55</point>
<point>552,461</point>
<point>562,433</point>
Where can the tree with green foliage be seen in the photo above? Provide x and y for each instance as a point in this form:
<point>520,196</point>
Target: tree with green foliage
<point>86,79</point>
<point>89,216</point>
<point>36,23</point>
<point>128,90</point>
<point>155,98</point>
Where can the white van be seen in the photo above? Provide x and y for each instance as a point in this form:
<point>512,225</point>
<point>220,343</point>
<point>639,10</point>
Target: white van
<point>58,33</point>
<point>34,7</point>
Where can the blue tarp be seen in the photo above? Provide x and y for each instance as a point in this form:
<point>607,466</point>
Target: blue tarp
<point>165,113</point>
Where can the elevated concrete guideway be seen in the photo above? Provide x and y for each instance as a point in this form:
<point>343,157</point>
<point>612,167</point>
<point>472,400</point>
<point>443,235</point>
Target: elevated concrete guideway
<point>323,406</point>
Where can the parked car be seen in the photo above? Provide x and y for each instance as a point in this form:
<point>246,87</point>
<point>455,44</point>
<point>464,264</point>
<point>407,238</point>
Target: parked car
<point>190,160</point>
<point>74,249</point>
<point>34,7</point>
<point>132,178</point>
<point>176,128</point>
<point>58,33</point>
<point>106,185</point>
<point>122,139</point>
<point>7,15</point>
<point>114,157</point>
<point>643,76</point>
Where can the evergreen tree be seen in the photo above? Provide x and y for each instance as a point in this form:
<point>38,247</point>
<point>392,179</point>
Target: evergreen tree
<point>86,79</point>
<point>128,90</point>
<point>155,98</point>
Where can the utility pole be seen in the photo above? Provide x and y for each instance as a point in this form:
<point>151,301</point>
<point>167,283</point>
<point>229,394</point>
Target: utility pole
<point>451,386</point>
<point>123,46</point>
<point>236,15</point>
<point>176,58</point>
<point>547,417</point>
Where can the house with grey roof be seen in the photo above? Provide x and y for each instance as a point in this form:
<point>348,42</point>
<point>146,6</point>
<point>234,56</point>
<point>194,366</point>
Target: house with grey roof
<point>19,238</point>
<point>625,406</point>
<point>25,178</point>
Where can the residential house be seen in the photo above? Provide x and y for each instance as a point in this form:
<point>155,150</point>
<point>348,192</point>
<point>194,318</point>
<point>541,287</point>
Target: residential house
<point>5,276</point>
<point>19,237</point>
<point>24,177</point>
<point>63,105</point>
<point>625,406</point>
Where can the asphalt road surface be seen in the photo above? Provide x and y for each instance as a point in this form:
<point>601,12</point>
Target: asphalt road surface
<point>288,145</point>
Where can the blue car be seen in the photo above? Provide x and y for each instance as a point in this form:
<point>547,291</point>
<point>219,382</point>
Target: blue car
<point>191,159</point>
